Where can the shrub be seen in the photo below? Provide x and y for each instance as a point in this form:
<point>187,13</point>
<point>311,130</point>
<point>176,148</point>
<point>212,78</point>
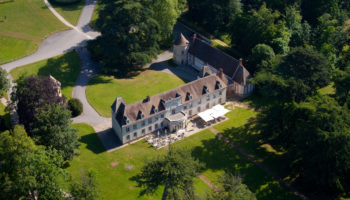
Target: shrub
<point>75,106</point>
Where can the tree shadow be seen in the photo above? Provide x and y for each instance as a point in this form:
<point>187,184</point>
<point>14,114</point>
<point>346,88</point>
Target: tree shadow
<point>219,156</point>
<point>65,69</point>
<point>93,143</point>
<point>68,6</point>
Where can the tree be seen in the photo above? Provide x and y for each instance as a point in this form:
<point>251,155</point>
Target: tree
<point>175,170</point>
<point>232,189</point>
<point>86,188</point>
<point>342,85</point>
<point>261,57</point>
<point>52,128</point>
<point>33,93</point>
<point>4,82</point>
<point>297,77</point>
<point>215,15</point>
<point>260,27</point>
<point>75,106</point>
<point>28,171</point>
<point>300,32</point>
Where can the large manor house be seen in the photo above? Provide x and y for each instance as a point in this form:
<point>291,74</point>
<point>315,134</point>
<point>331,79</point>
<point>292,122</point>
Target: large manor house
<point>220,77</point>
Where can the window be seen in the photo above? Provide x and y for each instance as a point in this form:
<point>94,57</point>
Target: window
<point>127,129</point>
<point>207,106</point>
<point>162,115</point>
<point>190,112</point>
<point>156,118</point>
<point>143,131</point>
<point>161,124</point>
<point>185,107</point>
<point>198,109</point>
<point>220,93</point>
<point>220,101</point>
<point>134,126</point>
<point>150,128</point>
<point>135,135</point>
<point>150,121</point>
<point>143,123</point>
<point>127,137</point>
<point>173,111</point>
<point>182,52</point>
<point>191,105</point>
<point>208,98</point>
<point>214,96</point>
<point>200,101</point>
<point>214,103</point>
<point>156,126</point>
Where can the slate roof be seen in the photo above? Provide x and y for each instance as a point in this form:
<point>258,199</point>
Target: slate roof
<point>181,40</point>
<point>219,59</point>
<point>132,112</point>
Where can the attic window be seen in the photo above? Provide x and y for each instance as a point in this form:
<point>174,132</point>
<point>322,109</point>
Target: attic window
<point>205,90</point>
<point>140,115</point>
<point>218,85</point>
<point>177,95</point>
<point>170,98</point>
<point>188,96</point>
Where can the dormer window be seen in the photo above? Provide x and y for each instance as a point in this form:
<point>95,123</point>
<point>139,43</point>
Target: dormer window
<point>188,96</point>
<point>140,115</point>
<point>218,85</point>
<point>205,90</point>
<point>177,95</point>
<point>170,98</point>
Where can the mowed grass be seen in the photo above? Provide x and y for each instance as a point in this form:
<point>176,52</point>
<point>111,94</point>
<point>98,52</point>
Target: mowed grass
<point>27,24</point>
<point>115,181</point>
<point>65,68</point>
<point>103,90</point>
<point>70,12</point>
<point>113,177</point>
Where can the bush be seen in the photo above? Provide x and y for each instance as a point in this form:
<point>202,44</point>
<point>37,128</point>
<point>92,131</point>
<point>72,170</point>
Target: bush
<point>75,106</point>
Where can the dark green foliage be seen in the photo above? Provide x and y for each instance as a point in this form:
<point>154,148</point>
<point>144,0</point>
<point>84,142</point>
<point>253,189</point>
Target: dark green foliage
<point>128,44</point>
<point>33,93</point>
<point>232,189</point>
<point>261,57</point>
<point>342,85</point>
<point>86,188</point>
<point>316,135</point>
<point>175,170</point>
<point>215,15</point>
<point>297,77</point>
<point>28,171</point>
<point>75,106</point>
<point>52,128</point>
<point>260,27</point>
<point>4,82</point>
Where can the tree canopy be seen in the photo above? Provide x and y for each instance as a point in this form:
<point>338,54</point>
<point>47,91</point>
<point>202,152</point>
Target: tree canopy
<point>175,170</point>
<point>28,171</point>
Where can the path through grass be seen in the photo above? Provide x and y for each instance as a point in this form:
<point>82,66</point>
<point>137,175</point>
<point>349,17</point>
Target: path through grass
<point>27,24</point>
<point>65,68</point>
<point>70,12</point>
<point>103,90</point>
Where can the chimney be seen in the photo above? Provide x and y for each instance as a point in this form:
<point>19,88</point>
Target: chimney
<point>146,99</point>
<point>240,63</point>
<point>220,73</point>
<point>194,36</point>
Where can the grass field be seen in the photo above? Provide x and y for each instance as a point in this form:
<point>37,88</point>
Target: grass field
<point>65,68</point>
<point>26,25</point>
<point>103,90</point>
<point>70,12</point>
<point>115,183</point>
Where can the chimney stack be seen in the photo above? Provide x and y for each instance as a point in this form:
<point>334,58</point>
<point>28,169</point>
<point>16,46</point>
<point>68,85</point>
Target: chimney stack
<point>240,62</point>
<point>146,99</point>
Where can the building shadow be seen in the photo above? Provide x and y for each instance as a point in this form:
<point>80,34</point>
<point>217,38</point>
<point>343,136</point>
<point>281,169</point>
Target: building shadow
<point>93,143</point>
<point>109,140</point>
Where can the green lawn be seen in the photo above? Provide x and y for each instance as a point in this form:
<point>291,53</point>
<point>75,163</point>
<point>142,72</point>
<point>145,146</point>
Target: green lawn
<point>27,24</point>
<point>70,12</point>
<point>103,90</point>
<point>328,89</point>
<point>115,181</point>
<point>65,68</point>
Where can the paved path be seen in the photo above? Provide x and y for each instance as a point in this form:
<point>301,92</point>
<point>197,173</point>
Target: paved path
<point>258,163</point>
<point>88,70</point>
<point>61,42</point>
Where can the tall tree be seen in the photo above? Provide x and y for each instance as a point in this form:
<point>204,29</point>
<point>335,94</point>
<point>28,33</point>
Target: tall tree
<point>261,57</point>
<point>4,82</point>
<point>86,188</point>
<point>52,128</point>
<point>297,77</point>
<point>232,189</point>
<point>175,170</point>
<point>33,93</point>
<point>300,32</point>
<point>28,171</point>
